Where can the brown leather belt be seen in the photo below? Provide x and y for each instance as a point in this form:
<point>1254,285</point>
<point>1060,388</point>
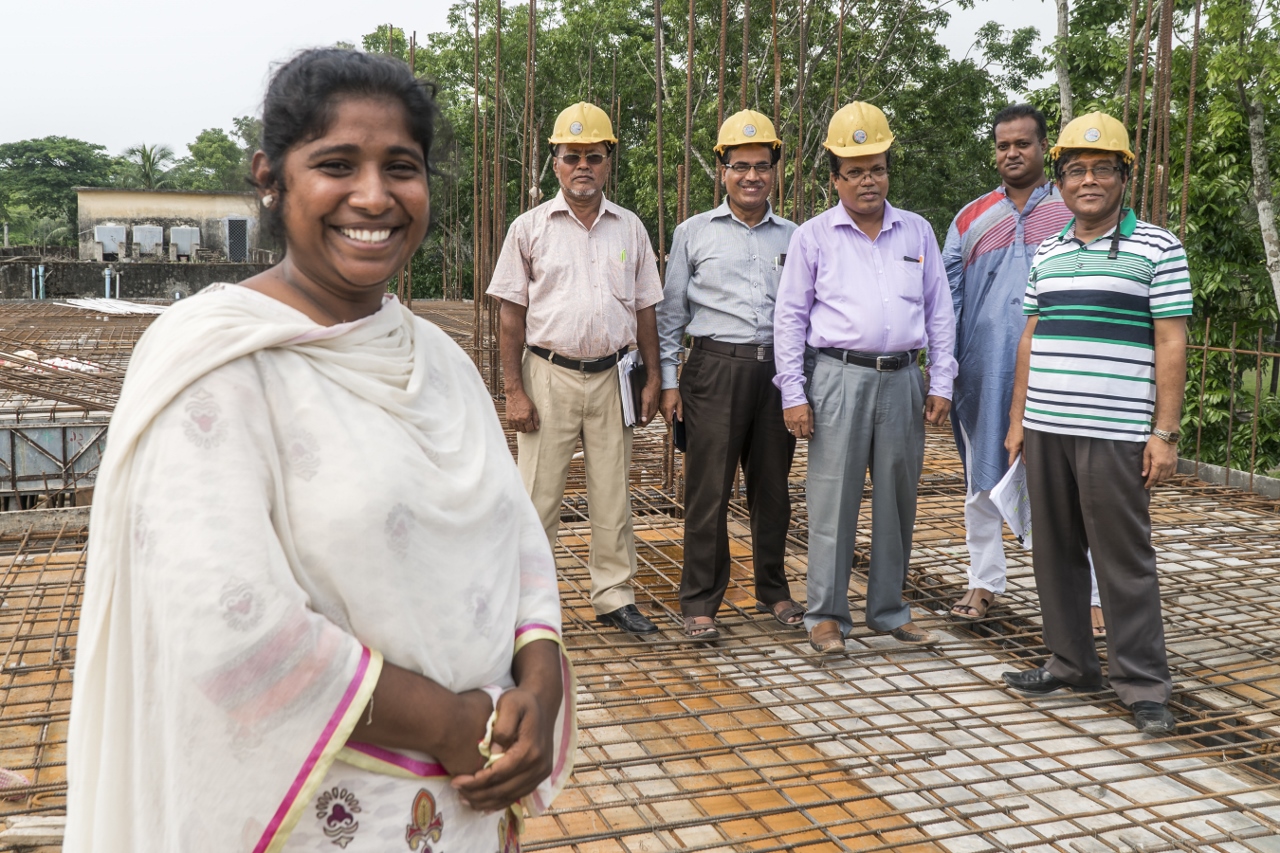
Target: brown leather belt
<point>880,361</point>
<point>755,352</point>
<point>585,365</point>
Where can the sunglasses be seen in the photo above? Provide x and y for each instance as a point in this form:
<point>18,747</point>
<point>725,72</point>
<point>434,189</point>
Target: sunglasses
<point>572,159</point>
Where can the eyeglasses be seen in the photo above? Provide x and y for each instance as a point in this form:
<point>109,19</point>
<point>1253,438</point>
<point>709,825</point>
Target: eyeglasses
<point>572,159</point>
<point>1100,172</point>
<point>741,168</point>
<point>853,176</point>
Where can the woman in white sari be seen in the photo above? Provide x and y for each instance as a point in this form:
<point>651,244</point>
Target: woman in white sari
<point>320,611</point>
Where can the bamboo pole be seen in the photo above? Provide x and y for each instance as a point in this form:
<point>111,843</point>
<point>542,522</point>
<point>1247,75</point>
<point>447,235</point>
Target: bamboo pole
<point>779,190</point>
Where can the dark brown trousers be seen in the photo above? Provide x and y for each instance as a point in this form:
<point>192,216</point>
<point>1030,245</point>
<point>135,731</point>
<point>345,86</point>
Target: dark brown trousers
<point>732,415</point>
<point>1087,493</point>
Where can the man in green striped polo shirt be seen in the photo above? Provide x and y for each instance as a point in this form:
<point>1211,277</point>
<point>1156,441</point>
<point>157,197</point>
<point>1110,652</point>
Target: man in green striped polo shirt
<point>1096,405</point>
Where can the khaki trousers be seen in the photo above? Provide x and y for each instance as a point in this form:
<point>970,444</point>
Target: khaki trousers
<point>572,405</point>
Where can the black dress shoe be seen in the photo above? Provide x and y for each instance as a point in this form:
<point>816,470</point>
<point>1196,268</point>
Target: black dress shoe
<point>1153,718</point>
<point>1040,681</point>
<point>628,619</point>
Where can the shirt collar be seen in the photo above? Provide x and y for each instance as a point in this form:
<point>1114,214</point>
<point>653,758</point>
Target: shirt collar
<point>1038,195</point>
<point>891,217</point>
<point>1127,226</point>
<point>559,204</point>
<point>725,210</point>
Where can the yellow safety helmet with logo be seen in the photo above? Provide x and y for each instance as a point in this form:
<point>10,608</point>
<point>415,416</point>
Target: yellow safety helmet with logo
<point>1095,132</point>
<point>858,129</point>
<point>747,127</point>
<point>583,123</point>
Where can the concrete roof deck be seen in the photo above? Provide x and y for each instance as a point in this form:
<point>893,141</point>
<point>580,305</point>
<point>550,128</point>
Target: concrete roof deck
<point>753,743</point>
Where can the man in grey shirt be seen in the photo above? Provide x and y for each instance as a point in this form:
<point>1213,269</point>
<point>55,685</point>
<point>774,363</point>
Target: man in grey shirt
<point>722,277</point>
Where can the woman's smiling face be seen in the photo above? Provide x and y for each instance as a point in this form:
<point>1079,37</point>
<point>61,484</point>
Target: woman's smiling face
<point>356,202</point>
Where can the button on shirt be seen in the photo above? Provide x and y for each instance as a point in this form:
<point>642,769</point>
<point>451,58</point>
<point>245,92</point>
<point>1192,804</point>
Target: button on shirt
<point>582,286</point>
<point>722,279</point>
<point>842,289</point>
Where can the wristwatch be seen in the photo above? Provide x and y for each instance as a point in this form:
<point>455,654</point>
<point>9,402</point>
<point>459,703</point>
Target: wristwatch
<point>1165,435</point>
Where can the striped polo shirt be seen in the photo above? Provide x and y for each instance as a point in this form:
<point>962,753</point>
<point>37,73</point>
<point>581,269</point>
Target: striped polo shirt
<point>1093,352</point>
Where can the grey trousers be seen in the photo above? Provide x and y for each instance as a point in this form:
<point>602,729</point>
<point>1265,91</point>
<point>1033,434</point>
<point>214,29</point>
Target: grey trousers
<point>862,417</point>
<point>1087,493</point>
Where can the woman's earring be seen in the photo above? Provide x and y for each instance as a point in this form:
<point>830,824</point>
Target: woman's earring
<point>268,200</point>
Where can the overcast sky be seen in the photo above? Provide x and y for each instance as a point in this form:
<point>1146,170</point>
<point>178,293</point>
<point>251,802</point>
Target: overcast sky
<point>161,72</point>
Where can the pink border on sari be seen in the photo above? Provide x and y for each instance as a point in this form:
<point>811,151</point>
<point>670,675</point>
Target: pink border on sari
<point>404,762</point>
<point>317,751</point>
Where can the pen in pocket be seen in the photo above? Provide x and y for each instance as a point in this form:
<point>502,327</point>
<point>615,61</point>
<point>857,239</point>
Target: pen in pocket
<point>919,260</point>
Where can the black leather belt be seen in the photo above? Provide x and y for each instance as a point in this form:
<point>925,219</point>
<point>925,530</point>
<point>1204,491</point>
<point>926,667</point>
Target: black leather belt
<point>882,361</point>
<point>755,352</point>
<point>586,365</point>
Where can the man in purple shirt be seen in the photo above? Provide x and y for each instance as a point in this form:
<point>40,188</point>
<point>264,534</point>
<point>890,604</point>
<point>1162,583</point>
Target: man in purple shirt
<point>863,290</point>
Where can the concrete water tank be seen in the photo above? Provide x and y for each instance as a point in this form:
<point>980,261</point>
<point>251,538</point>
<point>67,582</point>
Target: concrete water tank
<point>149,239</point>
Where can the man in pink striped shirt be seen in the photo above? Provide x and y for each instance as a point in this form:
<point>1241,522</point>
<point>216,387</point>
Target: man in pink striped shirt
<point>863,291</point>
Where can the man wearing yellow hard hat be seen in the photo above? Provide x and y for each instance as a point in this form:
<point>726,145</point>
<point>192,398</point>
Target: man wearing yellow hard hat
<point>722,278</point>
<point>988,253</point>
<point>1096,405</point>
<point>578,282</point>
<point>862,293</point>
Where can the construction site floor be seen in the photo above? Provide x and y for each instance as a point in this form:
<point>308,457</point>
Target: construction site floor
<point>754,743</point>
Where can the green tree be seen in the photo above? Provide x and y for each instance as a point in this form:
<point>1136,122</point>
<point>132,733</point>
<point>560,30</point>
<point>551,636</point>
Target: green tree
<point>215,162</point>
<point>43,173</point>
<point>148,166</point>
<point>593,50</point>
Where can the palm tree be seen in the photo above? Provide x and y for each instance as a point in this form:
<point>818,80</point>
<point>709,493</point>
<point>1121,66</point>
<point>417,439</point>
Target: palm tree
<point>149,165</point>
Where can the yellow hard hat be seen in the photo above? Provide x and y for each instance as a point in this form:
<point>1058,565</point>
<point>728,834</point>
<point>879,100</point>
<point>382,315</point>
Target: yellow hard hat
<point>584,123</point>
<point>1096,132</point>
<point>858,130</point>
<point>747,127</point>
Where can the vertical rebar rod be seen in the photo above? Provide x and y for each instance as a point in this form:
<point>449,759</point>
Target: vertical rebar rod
<point>1142,95</point>
<point>1191,112</point>
<point>746,38</point>
<point>615,117</point>
<point>683,205</point>
<point>797,177</point>
<point>777,106</point>
<point>835,85</point>
<point>1162,188</point>
<point>1231,400</point>
<point>1257,396</point>
<point>1128,69</point>
<point>1204,368</point>
<point>657,77</point>
<point>724,47</point>
<point>476,195</point>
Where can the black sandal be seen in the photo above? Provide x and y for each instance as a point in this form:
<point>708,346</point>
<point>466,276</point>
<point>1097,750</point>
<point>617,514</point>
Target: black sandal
<point>787,613</point>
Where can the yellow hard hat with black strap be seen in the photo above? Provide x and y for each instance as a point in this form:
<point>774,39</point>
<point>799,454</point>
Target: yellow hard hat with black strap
<point>1096,131</point>
<point>858,129</point>
<point>583,123</point>
<point>1093,132</point>
<point>746,127</point>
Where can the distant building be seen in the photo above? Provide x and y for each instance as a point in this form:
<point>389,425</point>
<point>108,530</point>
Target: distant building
<point>176,225</point>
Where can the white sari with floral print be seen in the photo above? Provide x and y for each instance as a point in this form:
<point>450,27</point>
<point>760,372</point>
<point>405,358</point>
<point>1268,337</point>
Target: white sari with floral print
<point>281,507</point>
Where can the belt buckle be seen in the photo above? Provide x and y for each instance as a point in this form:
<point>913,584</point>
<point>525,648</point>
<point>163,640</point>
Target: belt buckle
<point>883,360</point>
<point>760,352</point>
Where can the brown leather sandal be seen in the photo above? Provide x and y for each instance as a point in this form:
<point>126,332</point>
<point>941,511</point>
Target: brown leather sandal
<point>788,612</point>
<point>701,628</point>
<point>977,600</point>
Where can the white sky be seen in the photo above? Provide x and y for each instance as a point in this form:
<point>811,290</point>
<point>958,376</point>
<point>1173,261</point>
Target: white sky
<point>162,72</point>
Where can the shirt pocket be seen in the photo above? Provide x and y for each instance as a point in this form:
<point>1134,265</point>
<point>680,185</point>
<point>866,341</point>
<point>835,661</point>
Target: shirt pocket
<point>620,268</point>
<point>911,281</point>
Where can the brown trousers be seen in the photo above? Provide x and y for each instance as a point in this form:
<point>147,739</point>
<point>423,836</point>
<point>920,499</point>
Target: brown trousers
<point>1087,493</point>
<point>732,415</point>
